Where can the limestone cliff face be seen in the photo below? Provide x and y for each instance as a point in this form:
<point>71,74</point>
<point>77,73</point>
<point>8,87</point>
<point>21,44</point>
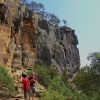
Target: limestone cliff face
<point>26,37</point>
<point>57,47</point>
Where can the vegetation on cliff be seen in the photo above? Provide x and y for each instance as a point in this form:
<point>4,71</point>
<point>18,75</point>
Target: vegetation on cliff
<point>86,83</point>
<point>57,86</point>
<point>6,83</point>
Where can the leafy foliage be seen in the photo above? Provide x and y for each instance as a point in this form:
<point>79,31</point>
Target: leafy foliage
<point>57,89</point>
<point>58,85</point>
<point>52,95</point>
<point>6,82</point>
<point>65,77</point>
<point>96,96</point>
<point>39,8</point>
<point>87,79</point>
<point>94,58</point>
<point>33,6</point>
<point>53,72</point>
<point>42,73</point>
<point>52,19</point>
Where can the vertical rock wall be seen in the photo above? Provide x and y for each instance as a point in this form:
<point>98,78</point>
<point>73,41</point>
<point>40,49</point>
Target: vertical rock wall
<point>57,47</point>
<point>26,37</point>
<point>18,38</point>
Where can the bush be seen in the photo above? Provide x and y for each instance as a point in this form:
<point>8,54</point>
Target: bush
<point>43,75</point>
<point>53,95</point>
<point>6,82</point>
<point>65,77</point>
<point>57,85</point>
<point>39,63</point>
<point>53,72</point>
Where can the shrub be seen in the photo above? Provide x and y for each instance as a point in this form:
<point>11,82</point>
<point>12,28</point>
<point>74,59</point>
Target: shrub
<point>6,82</point>
<point>53,72</point>
<point>53,95</point>
<point>57,85</point>
<point>43,74</point>
<point>39,63</point>
<point>65,77</point>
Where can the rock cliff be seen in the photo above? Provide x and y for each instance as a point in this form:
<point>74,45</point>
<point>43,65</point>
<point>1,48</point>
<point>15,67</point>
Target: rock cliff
<point>26,37</point>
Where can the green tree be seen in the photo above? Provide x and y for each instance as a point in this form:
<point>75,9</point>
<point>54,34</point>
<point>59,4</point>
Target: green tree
<point>39,9</point>
<point>54,20</point>
<point>94,58</point>
<point>35,7</point>
<point>87,79</point>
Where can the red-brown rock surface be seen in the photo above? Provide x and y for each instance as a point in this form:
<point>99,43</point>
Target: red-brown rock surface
<point>17,39</point>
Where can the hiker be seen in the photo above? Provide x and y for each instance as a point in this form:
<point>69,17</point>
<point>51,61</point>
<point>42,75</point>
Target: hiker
<point>26,85</point>
<point>33,81</point>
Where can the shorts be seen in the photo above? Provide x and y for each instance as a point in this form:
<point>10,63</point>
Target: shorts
<point>32,90</point>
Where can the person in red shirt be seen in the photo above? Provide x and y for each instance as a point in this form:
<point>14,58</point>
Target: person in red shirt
<point>26,85</point>
<point>33,81</point>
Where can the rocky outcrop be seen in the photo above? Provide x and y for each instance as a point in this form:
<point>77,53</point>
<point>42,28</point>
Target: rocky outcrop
<point>26,37</point>
<point>57,47</point>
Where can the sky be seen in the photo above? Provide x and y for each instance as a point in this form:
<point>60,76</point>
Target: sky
<point>84,17</point>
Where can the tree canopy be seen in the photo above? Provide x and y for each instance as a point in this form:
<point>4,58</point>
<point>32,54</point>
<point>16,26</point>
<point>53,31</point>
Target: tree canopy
<point>88,77</point>
<point>39,8</point>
